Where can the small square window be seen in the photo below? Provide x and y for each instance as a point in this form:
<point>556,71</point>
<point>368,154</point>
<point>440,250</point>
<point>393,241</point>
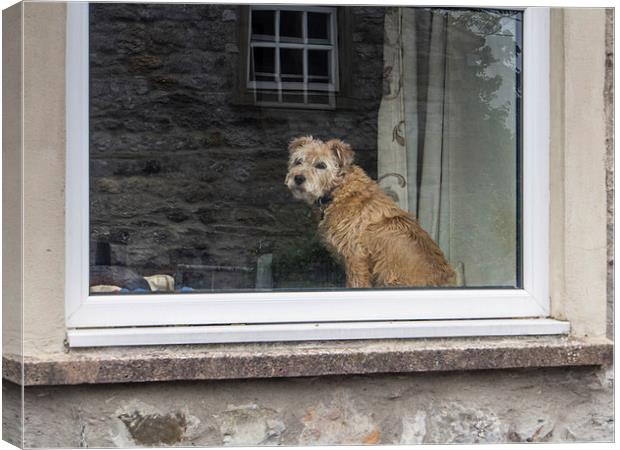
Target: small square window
<point>301,57</point>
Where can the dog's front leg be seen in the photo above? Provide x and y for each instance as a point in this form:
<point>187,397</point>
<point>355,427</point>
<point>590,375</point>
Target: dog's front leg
<point>358,272</point>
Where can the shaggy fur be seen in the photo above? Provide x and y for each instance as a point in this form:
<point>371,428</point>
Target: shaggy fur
<point>378,243</point>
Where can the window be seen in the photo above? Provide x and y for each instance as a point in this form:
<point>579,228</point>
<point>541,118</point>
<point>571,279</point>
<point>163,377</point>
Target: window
<point>177,209</point>
<point>293,56</point>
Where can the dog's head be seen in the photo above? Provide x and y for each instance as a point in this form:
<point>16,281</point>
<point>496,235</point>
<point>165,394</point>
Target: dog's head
<point>316,167</point>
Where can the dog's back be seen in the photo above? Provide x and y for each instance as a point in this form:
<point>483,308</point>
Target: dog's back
<point>362,219</point>
<point>403,254</point>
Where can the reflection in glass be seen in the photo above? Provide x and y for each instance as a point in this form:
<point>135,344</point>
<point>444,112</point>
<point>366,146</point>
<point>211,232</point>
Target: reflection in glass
<point>318,66</point>
<point>318,27</point>
<point>291,27</point>
<point>292,64</point>
<point>263,25</point>
<point>263,64</point>
<point>188,157</point>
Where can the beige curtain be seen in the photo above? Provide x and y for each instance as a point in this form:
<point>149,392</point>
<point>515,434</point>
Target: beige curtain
<point>411,174</point>
<point>447,135</point>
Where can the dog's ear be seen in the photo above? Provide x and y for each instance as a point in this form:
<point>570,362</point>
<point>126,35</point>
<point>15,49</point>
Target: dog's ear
<point>342,151</point>
<point>297,142</point>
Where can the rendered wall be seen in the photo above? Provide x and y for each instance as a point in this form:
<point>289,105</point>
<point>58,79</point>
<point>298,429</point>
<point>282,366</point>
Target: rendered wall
<point>43,176</point>
<point>578,219</point>
<point>12,289</point>
<point>12,180</point>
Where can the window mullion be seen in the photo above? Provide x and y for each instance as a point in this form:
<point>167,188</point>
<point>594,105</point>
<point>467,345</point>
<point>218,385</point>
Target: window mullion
<point>333,53</point>
<point>277,65</point>
<point>305,75</point>
<point>304,26</point>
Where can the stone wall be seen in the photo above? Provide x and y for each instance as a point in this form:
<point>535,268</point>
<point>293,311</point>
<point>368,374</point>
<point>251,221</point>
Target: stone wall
<point>181,172</point>
<point>609,176</point>
<point>540,405</point>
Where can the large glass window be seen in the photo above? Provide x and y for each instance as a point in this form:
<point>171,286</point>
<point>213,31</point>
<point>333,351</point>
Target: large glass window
<point>187,179</point>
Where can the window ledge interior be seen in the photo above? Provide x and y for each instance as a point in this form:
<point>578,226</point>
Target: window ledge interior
<point>296,359</point>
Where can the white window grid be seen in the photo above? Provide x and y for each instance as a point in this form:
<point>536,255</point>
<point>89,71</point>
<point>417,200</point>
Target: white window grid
<point>278,86</point>
<point>352,314</point>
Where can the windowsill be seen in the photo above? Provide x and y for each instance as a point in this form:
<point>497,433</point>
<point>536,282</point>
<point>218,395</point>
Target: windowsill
<point>296,359</point>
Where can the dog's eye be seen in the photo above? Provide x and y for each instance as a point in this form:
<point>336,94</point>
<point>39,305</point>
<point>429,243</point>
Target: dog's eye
<point>297,162</point>
<point>320,165</point>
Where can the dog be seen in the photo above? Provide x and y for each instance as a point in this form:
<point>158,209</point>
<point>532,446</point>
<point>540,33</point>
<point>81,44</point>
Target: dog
<point>379,244</point>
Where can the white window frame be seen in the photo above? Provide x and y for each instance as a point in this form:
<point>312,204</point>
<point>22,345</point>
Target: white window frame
<point>279,87</point>
<point>351,314</point>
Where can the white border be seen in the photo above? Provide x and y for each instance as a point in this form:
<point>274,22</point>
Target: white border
<point>303,307</point>
<point>536,145</point>
<point>77,173</point>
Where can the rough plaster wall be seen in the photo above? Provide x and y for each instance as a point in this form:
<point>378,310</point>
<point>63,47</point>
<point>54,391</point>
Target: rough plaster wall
<point>44,174</point>
<point>555,405</point>
<point>583,231</point>
<point>12,332</point>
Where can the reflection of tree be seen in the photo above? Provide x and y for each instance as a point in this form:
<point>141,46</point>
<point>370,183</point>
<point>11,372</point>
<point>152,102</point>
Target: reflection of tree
<point>482,57</point>
<point>490,92</point>
<point>487,24</point>
<point>475,131</point>
<point>484,77</point>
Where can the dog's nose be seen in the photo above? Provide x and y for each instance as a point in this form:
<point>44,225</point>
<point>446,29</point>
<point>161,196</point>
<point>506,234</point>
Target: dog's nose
<point>299,179</point>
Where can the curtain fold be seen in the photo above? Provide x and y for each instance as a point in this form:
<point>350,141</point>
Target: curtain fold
<point>393,148</point>
<point>411,117</point>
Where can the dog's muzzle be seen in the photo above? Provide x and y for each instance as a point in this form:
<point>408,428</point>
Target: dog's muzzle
<point>299,180</point>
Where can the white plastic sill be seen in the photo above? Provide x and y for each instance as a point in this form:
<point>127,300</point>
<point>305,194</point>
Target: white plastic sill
<point>103,337</point>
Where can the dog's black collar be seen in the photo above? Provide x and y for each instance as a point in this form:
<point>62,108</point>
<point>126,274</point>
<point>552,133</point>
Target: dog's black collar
<point>323,202</point>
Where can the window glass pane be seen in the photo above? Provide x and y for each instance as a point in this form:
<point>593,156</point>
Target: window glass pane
<point>292,65</point>
<point>188,161</point>
<point>267,97</point>
<point>293,97</point>
<point>318,66</point>
<point>263,64</point>
<point>320,98</point>
<point>291,28</point>
<point>318,27</point>
<point>263,25</point>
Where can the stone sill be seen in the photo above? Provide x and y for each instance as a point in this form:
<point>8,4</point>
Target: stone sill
<point>266,360</point>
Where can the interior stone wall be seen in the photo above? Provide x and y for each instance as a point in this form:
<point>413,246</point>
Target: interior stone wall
<point>182,172</point>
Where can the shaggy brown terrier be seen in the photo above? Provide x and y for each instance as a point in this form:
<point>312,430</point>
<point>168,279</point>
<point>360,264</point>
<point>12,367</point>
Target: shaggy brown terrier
<point>378,243</point>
